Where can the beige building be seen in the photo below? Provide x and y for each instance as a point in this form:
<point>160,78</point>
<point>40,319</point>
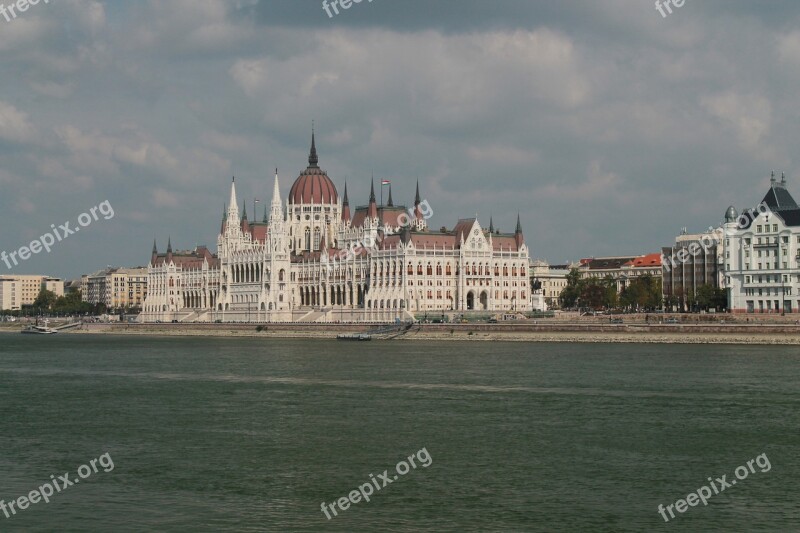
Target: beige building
<point>547,282</point>
<point>623,270</point>
<point>117,288</point>
<point>16,291</point>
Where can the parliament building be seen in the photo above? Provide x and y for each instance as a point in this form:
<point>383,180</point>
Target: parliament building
<point>314,259</point>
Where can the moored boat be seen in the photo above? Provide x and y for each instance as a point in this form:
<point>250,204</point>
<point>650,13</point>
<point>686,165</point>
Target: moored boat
<point>36,329</point>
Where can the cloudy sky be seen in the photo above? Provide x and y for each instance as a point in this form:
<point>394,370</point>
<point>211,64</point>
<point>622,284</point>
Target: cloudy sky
<point>605,125</point>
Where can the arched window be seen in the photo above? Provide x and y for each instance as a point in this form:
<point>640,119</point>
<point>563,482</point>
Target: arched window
<point>505,270</point>
<point>447,269</point>
<point>430,270</point>
<point>281,274</point>
<point>419,269</point>
<point>438,269</point>
<point>308,239</point>
<point>410,268</point>
<point>496,270</point>
<point>317,236</point>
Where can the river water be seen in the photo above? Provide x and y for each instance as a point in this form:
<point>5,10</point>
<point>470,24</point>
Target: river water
<point>234,434</point>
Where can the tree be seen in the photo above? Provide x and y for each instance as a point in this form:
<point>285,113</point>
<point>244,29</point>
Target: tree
<point>708,296</point>
<point>45,300</point>
<point>643,292</point>
<point>572,291</point>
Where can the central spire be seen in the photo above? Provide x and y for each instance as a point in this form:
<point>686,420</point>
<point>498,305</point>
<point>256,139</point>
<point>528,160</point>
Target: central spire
<point>313,160</point>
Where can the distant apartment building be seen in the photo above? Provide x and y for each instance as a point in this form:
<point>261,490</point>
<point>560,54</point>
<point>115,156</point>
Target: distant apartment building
<point>622,269</point>
<point>117,288</point>
<point>695,260</point>
<point>18,291</point>
<point>762,254</point>
<point>72,285</point>
<point>547,282</point>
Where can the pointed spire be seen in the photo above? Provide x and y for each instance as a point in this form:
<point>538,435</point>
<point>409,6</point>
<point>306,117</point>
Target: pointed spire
<point>169,245</point>
<point>312,155</point>
<point>276,208</point>
<point>518,238</point>
<point>233,209</point>
<point>244,211</point>
<point>491,225</point>
<point>323,242</point>
<point>372,209</point>
<point>154,256</point>
<point>266,219</point>
<point>389,202</point>
<point>417,201</point>
<point>276,191</point>
<point>519,226</point>
<point>345,206</point>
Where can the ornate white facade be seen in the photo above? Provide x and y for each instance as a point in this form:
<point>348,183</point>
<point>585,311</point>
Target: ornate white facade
<point>762,254</point>
<point>310,261</point>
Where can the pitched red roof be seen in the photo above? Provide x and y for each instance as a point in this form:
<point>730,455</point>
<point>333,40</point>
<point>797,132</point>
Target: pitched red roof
<point>649,260</point>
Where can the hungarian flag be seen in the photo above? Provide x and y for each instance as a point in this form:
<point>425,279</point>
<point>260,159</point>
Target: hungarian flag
<point>385,182</point>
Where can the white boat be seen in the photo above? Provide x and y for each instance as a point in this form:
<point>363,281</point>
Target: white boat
<point>36,329</point>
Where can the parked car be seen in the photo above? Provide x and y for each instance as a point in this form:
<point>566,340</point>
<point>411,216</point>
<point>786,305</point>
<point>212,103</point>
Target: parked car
<point>616,320</point>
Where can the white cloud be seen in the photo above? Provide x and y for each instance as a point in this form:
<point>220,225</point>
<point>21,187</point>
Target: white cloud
<point>15,125</point>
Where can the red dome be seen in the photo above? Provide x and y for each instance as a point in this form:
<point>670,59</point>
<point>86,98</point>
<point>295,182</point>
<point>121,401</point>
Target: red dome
<point>313,186</point>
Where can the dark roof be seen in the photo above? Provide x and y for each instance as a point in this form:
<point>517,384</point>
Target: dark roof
<point>779,201</point>
<point>602,263</point>
<point>778,197</point>
<point>791,217</point>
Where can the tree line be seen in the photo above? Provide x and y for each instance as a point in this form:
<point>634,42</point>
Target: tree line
<point>643,293</point>
<point>47,303</point>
